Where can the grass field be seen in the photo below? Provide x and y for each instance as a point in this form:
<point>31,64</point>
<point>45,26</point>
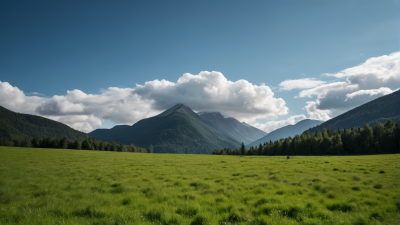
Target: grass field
<point>50,186</point>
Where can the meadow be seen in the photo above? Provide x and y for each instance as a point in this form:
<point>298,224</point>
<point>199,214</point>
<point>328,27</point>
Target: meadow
<point>53,186</point>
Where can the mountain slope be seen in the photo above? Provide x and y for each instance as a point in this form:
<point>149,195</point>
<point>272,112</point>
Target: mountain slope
<point>242,132</point>
<point>104,134</point>
<point>286,131</point>
<point>177,130</point>
<point>379,110</point>
<point>19,126</point>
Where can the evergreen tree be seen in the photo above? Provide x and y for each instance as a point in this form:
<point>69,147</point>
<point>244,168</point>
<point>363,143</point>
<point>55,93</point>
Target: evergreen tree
<point>242,149</point>
<point>64,143</point>
<point>150,149</point>
<point>77,145</point>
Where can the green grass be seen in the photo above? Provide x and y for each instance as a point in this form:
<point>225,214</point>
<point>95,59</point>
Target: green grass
<point>49,186</point>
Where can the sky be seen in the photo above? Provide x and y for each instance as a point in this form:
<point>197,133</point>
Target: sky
<point>95,64</point>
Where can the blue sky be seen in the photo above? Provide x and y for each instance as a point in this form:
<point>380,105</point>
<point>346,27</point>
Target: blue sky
<point>51,47</point>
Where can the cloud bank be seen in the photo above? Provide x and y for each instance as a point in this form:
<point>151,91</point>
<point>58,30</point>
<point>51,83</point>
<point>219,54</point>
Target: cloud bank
<point>207,91</point>
<point>376,77</point>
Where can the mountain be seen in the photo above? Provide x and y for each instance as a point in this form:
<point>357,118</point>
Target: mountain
<point>177,130</point>
<point>232,127</point>
<point>378,110</point>
<point>20,126</point>
<point>286,131</point>
<point>104,134</point>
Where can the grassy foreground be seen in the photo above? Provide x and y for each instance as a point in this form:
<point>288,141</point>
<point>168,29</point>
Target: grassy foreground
<point>49,186</point>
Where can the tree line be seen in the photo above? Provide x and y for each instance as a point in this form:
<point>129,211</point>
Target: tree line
<point>64,143</point>
<point>381,139</point>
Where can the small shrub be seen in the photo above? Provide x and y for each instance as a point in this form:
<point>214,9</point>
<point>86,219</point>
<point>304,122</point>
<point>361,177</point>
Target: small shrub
<point>356,178</point>
<point>154,215</point>
<point>39,194</point>
<point>335,169</point>
<point>378,186</point>
<point>126,201</point>
<point>294,211</point>
<point>331,196</point>
<point>219,199</point>
<point>199,185</point>
<point>115,185</point>
<point>279,192</point>
<point>236,174</point>
<point>376,215</point>
<point>88,212</point>
<point>355,188</point>
<point>199,220</point>
<point>343,207</point>
<point>275,178</point>
<point>117,190</point>
<point>370,203</point>
<point>381,171</point>
<point>187,211</point>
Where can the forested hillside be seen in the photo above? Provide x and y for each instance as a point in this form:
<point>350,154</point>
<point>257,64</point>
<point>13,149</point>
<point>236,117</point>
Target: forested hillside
<point>21,126</point>
<point>379,110</point>
<point>382,139</point>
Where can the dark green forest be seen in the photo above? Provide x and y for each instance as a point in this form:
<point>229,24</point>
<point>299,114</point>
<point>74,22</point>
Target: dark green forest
<point>64,143</point>
<point>18,126</point>
<point>381,139</point>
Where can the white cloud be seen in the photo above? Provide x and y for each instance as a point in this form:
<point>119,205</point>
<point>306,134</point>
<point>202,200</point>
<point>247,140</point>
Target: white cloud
<point>300,83</point>
<point>207,91</point>
<point>372,92</point>
<point>273,125</point>
<point>14,99</point>
<point>382,68</point>
<point>211,91</point>
<point>376,77</point>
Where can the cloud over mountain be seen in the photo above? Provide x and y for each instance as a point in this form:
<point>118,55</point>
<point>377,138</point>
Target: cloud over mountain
<point>376,77</point>
<point>207,91</point>
<point>211,91</point>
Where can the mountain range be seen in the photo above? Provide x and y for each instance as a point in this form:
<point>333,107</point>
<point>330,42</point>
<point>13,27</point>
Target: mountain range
<point>180,130</point>
<point>286,131</point>
<point>176,130</point>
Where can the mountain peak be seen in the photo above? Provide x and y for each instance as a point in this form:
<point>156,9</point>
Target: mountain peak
<point>177,107</point>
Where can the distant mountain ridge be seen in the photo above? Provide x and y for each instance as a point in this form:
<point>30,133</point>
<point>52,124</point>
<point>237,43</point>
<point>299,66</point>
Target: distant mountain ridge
<point>20,126</point>
<point>378,110</point>
<point>176,130</point>
<point>242,132</point>
<point>286,131</point>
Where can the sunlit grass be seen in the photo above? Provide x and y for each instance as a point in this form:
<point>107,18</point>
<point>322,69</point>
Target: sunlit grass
<point>48,186</point>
